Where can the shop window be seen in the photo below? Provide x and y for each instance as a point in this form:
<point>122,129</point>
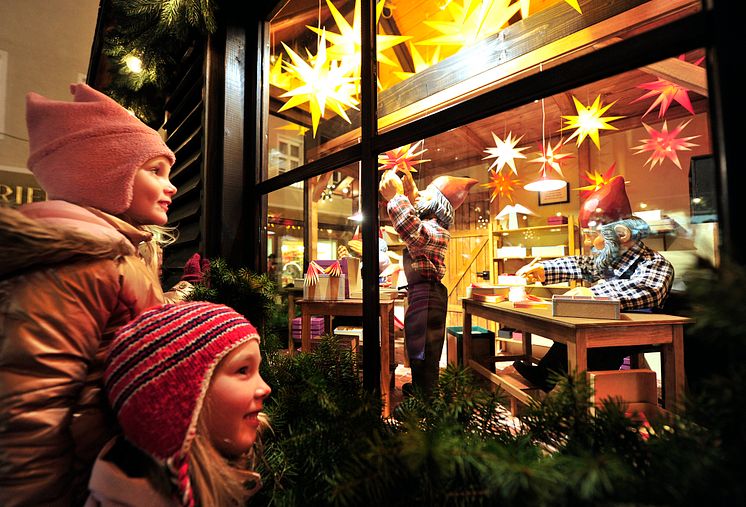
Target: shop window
<point>651,126</point>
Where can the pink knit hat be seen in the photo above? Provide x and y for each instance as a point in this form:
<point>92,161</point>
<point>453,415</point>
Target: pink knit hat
<point>157,373</point>
<point>87,151</point>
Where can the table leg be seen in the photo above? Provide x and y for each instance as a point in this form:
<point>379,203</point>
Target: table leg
<point>305,330</point>
<point>466,339</point>
<point>385,360</point>
<point>673,369</point>
<point>528,350</point>
<point>291,316</point>
<point>577,354</point>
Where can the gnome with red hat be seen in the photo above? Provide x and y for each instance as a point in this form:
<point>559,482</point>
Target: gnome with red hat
<point>621,267</point>
<point>422,219</point>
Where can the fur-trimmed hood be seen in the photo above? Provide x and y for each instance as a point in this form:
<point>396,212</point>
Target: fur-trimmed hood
<point>51,232</point>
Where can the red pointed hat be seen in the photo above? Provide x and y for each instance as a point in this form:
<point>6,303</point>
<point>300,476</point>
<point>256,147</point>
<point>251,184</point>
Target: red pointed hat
<point>454,188</point>
<point>607,204</point>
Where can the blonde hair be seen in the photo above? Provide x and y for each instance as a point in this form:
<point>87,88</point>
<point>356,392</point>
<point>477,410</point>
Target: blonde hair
<point>217,481</point>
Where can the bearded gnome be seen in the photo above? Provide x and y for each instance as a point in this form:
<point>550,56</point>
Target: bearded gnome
<point>621,266</point>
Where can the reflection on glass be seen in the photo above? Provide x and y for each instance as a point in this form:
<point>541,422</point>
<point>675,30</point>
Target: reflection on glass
<point>285,230</point>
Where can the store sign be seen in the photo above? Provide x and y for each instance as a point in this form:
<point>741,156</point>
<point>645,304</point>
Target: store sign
<point>19,188</point>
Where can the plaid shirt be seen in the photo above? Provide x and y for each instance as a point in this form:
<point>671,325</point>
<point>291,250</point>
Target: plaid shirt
<point>426,240</point>
<point>640,278</point>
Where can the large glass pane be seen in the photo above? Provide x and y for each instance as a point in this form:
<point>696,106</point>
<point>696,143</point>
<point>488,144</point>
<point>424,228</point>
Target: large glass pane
<point>648,128</point>
<point>459,48</point>
<point>314,75</point>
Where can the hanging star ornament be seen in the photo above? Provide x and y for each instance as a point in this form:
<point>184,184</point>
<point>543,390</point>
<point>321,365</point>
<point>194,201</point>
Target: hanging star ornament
<point>419,62</point>
<point>667,93</point>
<point>550,159</point>
<point>589,121</point>
<point>403,158</point>
<point>596,180</point>
<point>665,145</point>
<point>501,185</point>
<point>504,152</point>
<point>346,45</point>
<point>471,21</point>
<point>277,77</point>
<point>323,83</point>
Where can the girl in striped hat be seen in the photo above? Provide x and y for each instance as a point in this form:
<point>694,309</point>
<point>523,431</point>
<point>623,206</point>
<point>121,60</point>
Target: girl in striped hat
<point>184,383</point>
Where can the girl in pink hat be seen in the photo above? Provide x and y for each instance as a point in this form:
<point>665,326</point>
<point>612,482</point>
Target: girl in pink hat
<point>73,269</point>
<point>184,383</point>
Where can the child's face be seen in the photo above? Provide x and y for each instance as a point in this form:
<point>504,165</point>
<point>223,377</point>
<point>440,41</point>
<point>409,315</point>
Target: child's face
<point>151,193</point>
<point>236,396</point>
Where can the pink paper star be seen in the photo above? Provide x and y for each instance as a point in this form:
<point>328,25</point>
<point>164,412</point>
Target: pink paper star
<point>549,158</point>
<point>403,158</point>
<point>664,144</point>
<point>667,92</point>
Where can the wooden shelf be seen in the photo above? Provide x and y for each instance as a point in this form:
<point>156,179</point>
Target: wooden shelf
<point>502,232</point>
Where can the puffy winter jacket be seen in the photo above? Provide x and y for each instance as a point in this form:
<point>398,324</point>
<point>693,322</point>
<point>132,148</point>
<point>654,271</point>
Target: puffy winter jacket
<point>69,277</point>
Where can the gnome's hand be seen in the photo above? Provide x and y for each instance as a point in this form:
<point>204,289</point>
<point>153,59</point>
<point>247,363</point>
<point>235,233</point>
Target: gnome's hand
<point>410,189</point>
<point>532,273</point>
<point>390,185</point>
<point>342,252</point>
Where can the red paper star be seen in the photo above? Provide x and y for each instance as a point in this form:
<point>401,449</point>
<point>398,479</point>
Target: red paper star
<point>667,92</point>
<point>549,158</point>
<point>664,144</point>
<point>501,185</point>
<point>402,158</point>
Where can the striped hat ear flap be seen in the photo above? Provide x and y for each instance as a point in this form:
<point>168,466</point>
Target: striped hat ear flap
<point>178,470</point>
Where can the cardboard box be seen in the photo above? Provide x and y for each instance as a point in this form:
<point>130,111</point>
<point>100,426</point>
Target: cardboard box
<point>328,288</point>
<point>632,386</point>
<point>589,307</point>
<point>344,264</point>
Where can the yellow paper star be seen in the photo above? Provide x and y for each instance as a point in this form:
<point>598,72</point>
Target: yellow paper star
<point>402,158</point>
<point>550,159</point>
<point>471,21</point>
<point>589,121</point>
<point>505,152</point>
<point>277,77</point>
<point>420,63</point>
<point>596,180</point>
<point>346,45</point>
<point>292,127</point>
<point>501,185</point>
<point>324,83</point>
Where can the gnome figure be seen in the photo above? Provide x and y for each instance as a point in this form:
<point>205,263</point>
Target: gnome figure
<point>422,219</point>
<point>621,266</point>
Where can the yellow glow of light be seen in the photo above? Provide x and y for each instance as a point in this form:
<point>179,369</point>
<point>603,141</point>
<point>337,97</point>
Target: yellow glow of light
<point>471,21</point>
<point>589,121</point>
<point>134,64</point>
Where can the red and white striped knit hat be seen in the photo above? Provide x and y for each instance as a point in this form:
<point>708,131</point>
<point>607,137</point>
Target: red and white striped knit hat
<point>157,373</point>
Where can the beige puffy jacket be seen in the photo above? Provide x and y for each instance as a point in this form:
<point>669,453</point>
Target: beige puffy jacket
<point>69,277</point>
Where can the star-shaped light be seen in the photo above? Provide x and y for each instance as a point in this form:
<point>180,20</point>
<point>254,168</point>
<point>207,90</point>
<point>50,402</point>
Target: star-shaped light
<point>501,185</point>
<point>589,121</point>
<point>419,62</point>
<point>667,92</point>
<point>292,127</point>
<point>471,20</point>
<point>664,144</point>
<point>346,45</point>
<point>505,152</point>
<point>526,3</point>
<point>550,159</point>
<point>403,158</point>
<point>277,77</point>
<point>596,180</point>
<point>324,83</point>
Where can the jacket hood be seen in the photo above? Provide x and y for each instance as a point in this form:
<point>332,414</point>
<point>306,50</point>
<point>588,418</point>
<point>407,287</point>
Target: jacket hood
<point>51,232</point>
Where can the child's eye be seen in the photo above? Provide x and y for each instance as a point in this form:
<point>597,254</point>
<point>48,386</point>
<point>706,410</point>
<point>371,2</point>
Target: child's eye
<point>243,370</point>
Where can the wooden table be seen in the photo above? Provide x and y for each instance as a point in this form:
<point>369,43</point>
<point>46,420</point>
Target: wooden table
<point>581,334</point>
<point>354,308</point>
